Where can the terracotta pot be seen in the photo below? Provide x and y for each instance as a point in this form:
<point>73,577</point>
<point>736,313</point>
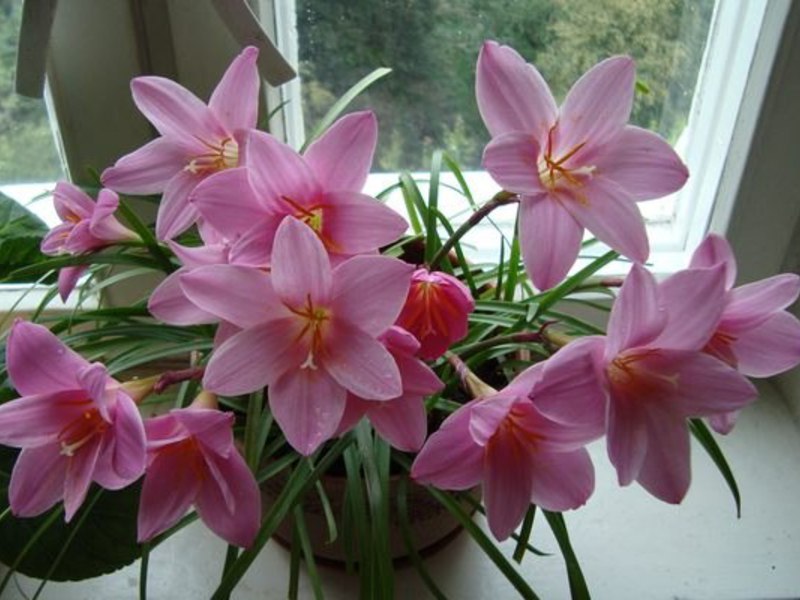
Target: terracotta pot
<point>431,524</point>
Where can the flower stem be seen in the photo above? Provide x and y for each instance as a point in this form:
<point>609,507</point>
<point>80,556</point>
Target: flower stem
<point>499,199</point>
<point>521,337</point>
<point>171,377</point>
<point>471,382</point>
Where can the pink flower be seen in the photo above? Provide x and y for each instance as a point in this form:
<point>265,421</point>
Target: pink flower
<point>322,188</point>
<point>191,459</point>
<point>402,421</point>
<point>657,376</point>
<point>196,140</point>
<point>308,331</point>
<point>436,311</point>
<point>73,422</point>
<point>87,226</point>
<point>519,454</point>
<point>755,335</point>
<point>580,166</point>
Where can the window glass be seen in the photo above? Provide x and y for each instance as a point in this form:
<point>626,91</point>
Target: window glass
<point>428,101</point>
<point>29,162</point>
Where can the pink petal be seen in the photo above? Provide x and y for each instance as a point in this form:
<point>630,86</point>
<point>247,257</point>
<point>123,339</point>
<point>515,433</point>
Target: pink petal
<point>94,380</point>
<point>200,256</point>
<point>147,169</point>
<point>70,200</point>
<point>450,459</point>
<point>666,471</point>
<point>80,469</point>
<point>341,158</point>
<point>175,213</point>
<point>103,225</point>
<point>512,161</point>
<point>643,164</point>
<point>37,481</point>
<point>627,437</point>
<point>637,316</point>
<point>308,405</point>
<point>354,223</point>
<point>512,95</point>
<point>570,390</point>
<point>752,304</point>
<point>418,378</point>
<point>256,357</point>
<point>254,247</point>
<point>301,270</point>
<point>278,172</point>
<point>38,419</point>
<point>550,239</point>
<point>694,301</point>
<point>68,278</point>
<point>240,526</point>
<point>169,303</point>
<point>170,486</point>
<point>174,111</point>
<point>507,484</point>
<point>771,348</point>
<point>724,423</point>
<point>80,239</point>
<point>360,363</point>
<point>54,240</point>
<point>214,198</point>
<point>211,428</point>
<point>487,416</point>
<point>38,362</point>
<point>598,105</point>
<point>561,480</point>
<point>402,422</point>
<point>235,99</point>
<point>355,408</point>
<point>607,210</point>
<point>129,456</point>
<point>240,295</point>
<point>548,435</point>
<point>715,249</point>
<point>369,291</point>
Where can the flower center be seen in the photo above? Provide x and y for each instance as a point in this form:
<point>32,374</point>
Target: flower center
<point>314,319</point>
<point>629,374</point>
<point>554,172</point>
<point>81,430</point>
<point>721,346</point>
<point>312,216</point>
<point>223,155</point>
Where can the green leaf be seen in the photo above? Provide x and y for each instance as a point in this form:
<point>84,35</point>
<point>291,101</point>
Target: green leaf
<point>557,293</point>
<point>577,583</point>
<point>21,233</point>
<point>308,552</point>
<point>709,444</point>
<point>342,103</point>
<point>431,234</point>
<point>105,542</point>
<point>525,534</point>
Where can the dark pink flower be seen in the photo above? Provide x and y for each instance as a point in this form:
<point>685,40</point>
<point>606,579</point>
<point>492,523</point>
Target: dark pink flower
<point>519,454</point>
<point>87,226</point>
<point>74,423</point>
<point>196,140</point>
<point>192,460</point>
<point>578,167</point>
<point>436,311</point>
<point>401,421</point>
<point>321,188</point>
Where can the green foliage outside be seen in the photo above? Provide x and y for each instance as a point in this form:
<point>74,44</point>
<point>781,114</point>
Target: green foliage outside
<point>428,101</point>
<point>27,152</point>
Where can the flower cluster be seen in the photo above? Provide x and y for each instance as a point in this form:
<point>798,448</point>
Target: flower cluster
<point>305,306</point>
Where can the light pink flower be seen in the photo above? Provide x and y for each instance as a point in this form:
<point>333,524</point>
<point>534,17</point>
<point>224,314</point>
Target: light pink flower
<point>308,331</point>
<point>192,460</point>
<point>322,188</point>
<point>755,335</point>
<point>580,166</point>
<point>196,139</point>
<point>520,455</point>
<point>87,226</point>
<point>401,421</point>
<point>436,311</point>
<point>73,422</point>
<point>657,376</point>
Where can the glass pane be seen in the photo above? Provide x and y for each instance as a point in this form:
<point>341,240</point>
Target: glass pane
<point>428,101</point>
<point>29,163</point>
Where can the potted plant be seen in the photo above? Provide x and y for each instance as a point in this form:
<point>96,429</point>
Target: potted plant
<point>301,329</point>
